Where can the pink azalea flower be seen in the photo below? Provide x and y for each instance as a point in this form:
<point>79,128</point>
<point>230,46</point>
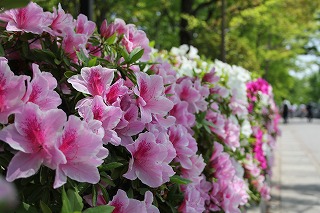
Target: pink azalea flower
<point>169,75</point>
<point>73,42</point>
<point>223,196</point>
<point>240,188</point>
<point>84,153</point>
<point>148,199</point>
<point>238,107</point>
<point>265,192</point>
<point>251,166</point>
<point>113,94</point>
<point>106,30</point>
<point>196,169</point>
<point>162,138</point>
<point>34,135</point>
<point>123,204</point>
<point>60,21</point>
<point>40,90</point>
<point>193,93</point>
<point>84,26</point>
<point>12,89</point>
<point>211,77</point>
<point>28,19</point>
<point>257,149</point>
<point>129,125</point>
<point>133,38</point>
<point>232,135</point>
<point>148,162</point>
<point>151,99</point>
<point>220,90</point>
<point>182,115</point>
<point>219,123</point>
<point>93,80</point>
<point>184,144</point>
<point>229,191</point>
<point>85,111</point>
<point>222,164</point>
<point>186,92</point>
<point>201,104</point>
<point>94,49</point>
<point>195,197</point>
<point>165,70</point>
<point>109,116</point>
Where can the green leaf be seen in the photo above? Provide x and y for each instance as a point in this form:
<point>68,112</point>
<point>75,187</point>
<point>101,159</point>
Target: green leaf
<point>108,181</point>
<point>9,4</point>
<point>135,55</point>
<point>44,53</point>
<point>125,55</point>
<point>57,61</point>
<point>111,39</point>
<point>179,180</point>
<point>44,207</point>
<point>82,57</point>
<point>92,62</point>
<point>26,208</point>
<point>104,193</point>
<point>99,209</point>
<point>207,128</point>
<point>66,61</point>
<point>68,74</point>
<point>82,187</point>
<point>1,50</point>
<point>66,206</point>
<point>94,195</point>
<point>130,193</point>
<point>112,165</point>
<point>75,200</point>
<point>152,43</point>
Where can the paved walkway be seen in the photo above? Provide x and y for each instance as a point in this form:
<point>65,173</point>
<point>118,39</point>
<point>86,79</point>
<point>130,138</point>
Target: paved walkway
<point>296,181</point>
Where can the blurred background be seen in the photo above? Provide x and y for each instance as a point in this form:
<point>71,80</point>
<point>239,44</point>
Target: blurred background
<point>277,39</point>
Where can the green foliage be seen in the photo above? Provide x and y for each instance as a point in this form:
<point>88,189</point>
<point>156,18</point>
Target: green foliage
<point>314,85</point>
<point>44,207</point>
<point>179,180</point>
<point>9,4</point>
<point>99,209</point>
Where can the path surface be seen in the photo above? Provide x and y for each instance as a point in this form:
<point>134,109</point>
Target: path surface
<point>296,181</point>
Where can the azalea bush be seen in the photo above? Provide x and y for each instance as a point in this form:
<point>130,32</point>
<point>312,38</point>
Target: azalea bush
<point>94,119</point>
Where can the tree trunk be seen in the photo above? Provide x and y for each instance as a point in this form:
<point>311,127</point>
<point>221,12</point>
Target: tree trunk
<point>86,8</point>
<point>185,35</point>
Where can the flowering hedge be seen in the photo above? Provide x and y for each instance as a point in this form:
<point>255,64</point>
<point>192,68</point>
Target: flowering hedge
<point>95,120</point>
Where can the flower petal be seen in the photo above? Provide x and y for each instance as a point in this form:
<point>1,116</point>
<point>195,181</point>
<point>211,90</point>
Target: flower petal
<point>23,165</point>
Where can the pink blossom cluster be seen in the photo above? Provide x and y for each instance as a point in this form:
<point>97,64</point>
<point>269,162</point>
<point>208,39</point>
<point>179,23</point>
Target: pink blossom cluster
<point>256,177</point>
<point>255,89</point>
<point>123,204</point>
<point>229,191</point>
<point>132,37</point>
<point>41,134</point>
<point>124,110</point>
<point>225,128</point>
<point>258,85</point>
<point>257,149</point>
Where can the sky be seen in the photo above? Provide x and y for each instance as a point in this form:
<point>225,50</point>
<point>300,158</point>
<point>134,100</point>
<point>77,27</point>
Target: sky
<point>309,62</point>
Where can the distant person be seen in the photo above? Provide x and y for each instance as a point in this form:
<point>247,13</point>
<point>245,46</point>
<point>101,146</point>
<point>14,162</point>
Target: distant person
<point>309,112</point>
<point>285,110</point>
